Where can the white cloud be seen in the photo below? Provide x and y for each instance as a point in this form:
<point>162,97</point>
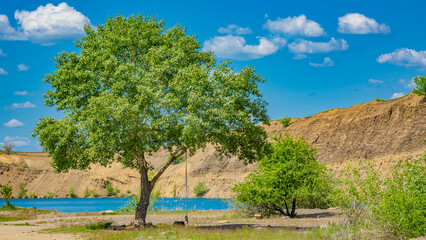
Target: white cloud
<point>17,141</point>
<point>375,81</point>
<point>3,72</point>
<point>408,83</point>
<point>295,26</point>
<point>300,56</point>
<point>23,105</point>
<point>305,46</point>
<point>404,57</point>
<point>21,93</point>
<point>2,54</point>
<point>44,24</point>
<point>22,67</point>
<point>327,63</point>
<point>235,29</point>
<point>7,32</point>
<point>14,123</point>
<point>397,95</point>
<point>236,47</point>
<point>355,23</point>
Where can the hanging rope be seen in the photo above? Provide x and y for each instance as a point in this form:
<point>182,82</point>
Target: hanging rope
<point>186,187</point>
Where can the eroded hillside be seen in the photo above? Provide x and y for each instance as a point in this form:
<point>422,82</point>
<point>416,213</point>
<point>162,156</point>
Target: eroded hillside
<point>383,131</point>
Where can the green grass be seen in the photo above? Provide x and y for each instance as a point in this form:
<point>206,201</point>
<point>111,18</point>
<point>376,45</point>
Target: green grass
<point>173,232</point>
<point>10,219</point>
<point>8,208</point>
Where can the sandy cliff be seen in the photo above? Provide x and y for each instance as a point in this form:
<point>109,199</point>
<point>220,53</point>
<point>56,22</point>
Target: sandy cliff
<point>383,131</point>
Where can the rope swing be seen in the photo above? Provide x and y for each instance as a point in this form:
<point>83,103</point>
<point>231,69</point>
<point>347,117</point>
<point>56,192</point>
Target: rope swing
<point>186,186</point>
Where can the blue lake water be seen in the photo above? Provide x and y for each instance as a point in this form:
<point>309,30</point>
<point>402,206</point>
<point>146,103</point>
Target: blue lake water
<point>102,204</point>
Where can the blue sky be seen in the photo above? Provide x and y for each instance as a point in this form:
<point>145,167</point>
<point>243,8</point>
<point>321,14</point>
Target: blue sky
<point>315,55</point>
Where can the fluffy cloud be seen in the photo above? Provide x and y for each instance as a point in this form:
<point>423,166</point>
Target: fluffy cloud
<point>22,67</point>
<point>295,26</point>
<point>236,47</point>
<point>3,72</point>
<point>397,95</point>
<point>235,29</point>
<point>17,141</point>
<point>14,123</point>
<point>2,54</point>
<point>327,63</point>
<point>404,57</point>
<point>375,81</point>
<point>408,83</point>
<point>21,93</point>
<point>7,32</point>
<point>23,105</point>
<point>305,46</point>
<point>44,24</point>
<point>355,23</point>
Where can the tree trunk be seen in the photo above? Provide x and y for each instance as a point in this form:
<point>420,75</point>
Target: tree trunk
<point>293,209</point>
<point>146,188</point>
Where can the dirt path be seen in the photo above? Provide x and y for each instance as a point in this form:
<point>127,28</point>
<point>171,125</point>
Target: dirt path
<point>17,230</point>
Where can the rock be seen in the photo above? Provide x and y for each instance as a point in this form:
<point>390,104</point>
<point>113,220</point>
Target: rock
<point>258,216</point>
<point>179,223</point>
<point>285,217</point>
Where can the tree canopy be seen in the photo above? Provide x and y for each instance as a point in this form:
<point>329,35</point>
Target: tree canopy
<point>136,87</point>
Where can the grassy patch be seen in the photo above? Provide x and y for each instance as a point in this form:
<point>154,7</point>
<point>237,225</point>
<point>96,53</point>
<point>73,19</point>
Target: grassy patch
<point>10,219</point>
<point>13,213</point>
<point>8,208</point>
<point>173,232</point>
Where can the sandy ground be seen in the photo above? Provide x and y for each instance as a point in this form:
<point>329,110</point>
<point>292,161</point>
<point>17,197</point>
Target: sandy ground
<point>205,219</point>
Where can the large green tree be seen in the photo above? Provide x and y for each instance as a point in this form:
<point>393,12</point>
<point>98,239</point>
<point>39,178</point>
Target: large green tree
<point>288,173</point>
<point>136,87</point>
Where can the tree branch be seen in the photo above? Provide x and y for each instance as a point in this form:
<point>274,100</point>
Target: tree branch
<point>179,151</point>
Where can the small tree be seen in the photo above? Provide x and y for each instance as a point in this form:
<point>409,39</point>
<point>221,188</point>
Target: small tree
<point>420,85</point>
<point>8,147</point>
<point>109,189</point>
<point>22,192</point>
<point>201,189</point>
<point>287,173</point>
<point>136,87</point>
<point>71,192</point>
<point>285,121</point>
<point>86,192</point>
<point>6,191</point>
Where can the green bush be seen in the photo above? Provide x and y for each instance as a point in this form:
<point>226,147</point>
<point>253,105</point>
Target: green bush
<point>130,206</point>
<point>33,195</point>
<point>6,191</point>
<point>420,85</point>
<point>201,189</point>
<point>49,195</point>
<point>285,121</point>
<point>94,193</point>
<point>287,176</point>
<point>356,190</point>
<point>8,147</point>
<point>178,160</point>
<point>86,192</point>
<point>402,209</point>
<point>110,191</point>
<point>22,192</point>
<point>71,192</point>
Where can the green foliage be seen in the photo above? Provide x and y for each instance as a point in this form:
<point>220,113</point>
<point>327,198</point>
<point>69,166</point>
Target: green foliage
<point>94,193</point>
<point>6,191</point>
<point>178,160</point>
<point>402,209</point>
<point>7,207</point>
<point>136,86</point>
<point>201,189</point>
<point>288,173</point>
<point>356,190</point>
<point>86,192</point>
<point>285,121</point>
<point>22,192</point>
<point>33,195</point>
<point>109,189</point>
<point>420,85</point>
<point>98,226</point>
<point>49,195</point>
<point>8,147</point>
<point>71,192</point>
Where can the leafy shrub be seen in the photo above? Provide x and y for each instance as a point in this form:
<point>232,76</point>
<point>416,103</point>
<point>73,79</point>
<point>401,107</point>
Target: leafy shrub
<point>8,147</point>
<point>110,191</point>
<point>99,226</point>
<point>86,192</point>
<point>131,204</point>
<point>356,190</point>
<point>33,195</point>
<point>402,209</point>
<point>6,191</point>
<point>288,174</point>
<point>71,192</point>
<point>178,160</point>
<point>201,189</point>
<point>420,85</point>
<point>49,195</point>
<point>22,192</point>
<point>94,193</point>
<point>285,121</point>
